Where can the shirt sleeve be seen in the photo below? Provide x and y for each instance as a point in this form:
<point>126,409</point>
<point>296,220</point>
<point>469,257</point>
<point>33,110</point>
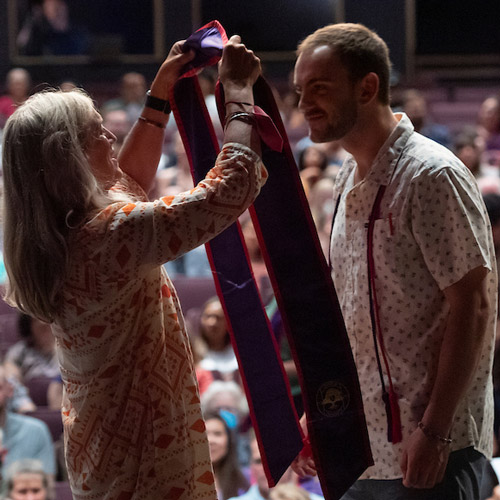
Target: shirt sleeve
<point>450,224</point>
<point>141,234</point>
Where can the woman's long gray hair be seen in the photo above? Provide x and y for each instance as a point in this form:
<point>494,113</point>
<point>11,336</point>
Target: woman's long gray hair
<point>49,188</point>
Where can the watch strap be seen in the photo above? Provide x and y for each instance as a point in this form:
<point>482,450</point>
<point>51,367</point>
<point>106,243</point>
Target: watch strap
<point>157,103</point>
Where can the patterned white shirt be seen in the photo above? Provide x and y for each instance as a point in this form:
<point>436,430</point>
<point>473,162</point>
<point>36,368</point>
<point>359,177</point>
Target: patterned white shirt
<point>433,229</point>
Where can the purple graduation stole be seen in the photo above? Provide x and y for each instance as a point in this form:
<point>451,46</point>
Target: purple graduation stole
<point>304,291</point>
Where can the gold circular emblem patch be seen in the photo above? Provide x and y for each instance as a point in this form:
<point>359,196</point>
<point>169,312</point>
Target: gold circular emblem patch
<point>332,399</point>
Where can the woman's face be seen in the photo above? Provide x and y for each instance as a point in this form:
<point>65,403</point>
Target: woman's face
<point>489,114</point>
<point>28,486</point>
<point>218,440</point>
<point>100,152</point>
<point>213,324</point>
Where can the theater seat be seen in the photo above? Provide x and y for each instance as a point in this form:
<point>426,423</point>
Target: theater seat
<point>37,388</point>
<point>63,491</point>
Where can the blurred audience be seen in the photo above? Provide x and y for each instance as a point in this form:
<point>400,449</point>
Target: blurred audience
<point>34,355</point>
<point>312,165</point>
<point>20,401</point>
<point>229,479</point>
<point>214,343</point>
<point>176,178</point>
<point>18,86</point>
<point>23,436</point>
<point>25,480</point>
<point>468,148</point>
<point>67,85</point>
<point>48,30</point>
<point>228,400</point>
<point>488,129</point>
<point>414,105</point>
<point>133,89</point>
<point>260,489</point>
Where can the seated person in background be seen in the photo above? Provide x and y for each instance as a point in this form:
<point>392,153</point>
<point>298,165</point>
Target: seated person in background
<point>228,400</point>
<point>25,480</point>
<point>214,343</point>
<point>132,94</point>
<point>34,355</point>
<point>488,129</point>
<point>24,437</point>
<point>469,148</point>
<point>312,164</point>
<point>260,489</point>
<point>48,30</point>
<point>18,85</point>
<point>229,480</point>
<point>415,106</point>
<point>20,402</point>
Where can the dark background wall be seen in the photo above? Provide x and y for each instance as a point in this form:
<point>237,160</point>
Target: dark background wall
<point>444,27</point>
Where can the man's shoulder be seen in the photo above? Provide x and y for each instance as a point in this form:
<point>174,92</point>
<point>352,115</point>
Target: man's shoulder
<point>423,156</point>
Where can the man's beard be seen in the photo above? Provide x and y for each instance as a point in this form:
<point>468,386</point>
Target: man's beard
<point>334,131</point>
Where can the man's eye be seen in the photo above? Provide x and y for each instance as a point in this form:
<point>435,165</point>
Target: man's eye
<point>319,88</point>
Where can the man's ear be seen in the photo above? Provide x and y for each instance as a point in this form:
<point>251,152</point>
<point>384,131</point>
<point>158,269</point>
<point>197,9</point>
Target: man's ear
<point>369,88</point>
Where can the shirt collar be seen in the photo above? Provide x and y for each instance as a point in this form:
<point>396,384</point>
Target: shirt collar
<point>383,166</point>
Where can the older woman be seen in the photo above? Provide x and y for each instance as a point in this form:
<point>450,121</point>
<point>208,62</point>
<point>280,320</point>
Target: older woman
<point>84,249</point>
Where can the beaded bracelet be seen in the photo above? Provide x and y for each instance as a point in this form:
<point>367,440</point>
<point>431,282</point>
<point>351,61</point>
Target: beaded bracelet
<point>432,435</point>
<point>151,122</point>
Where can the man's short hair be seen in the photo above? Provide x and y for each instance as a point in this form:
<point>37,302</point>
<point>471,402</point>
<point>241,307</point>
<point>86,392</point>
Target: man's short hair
<point>360,50</point>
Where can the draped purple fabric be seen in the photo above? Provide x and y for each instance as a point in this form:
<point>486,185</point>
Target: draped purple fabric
<point>307,302</point>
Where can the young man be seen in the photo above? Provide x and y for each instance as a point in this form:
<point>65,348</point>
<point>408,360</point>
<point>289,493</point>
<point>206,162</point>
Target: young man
<point>412,209</point>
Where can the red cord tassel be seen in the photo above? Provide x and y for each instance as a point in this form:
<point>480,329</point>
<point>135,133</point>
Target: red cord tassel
<point>397,434</point>
<point>394,433</point>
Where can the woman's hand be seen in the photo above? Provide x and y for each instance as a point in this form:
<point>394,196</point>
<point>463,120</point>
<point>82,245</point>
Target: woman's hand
<point>239,67</point>
<point>169,71</point>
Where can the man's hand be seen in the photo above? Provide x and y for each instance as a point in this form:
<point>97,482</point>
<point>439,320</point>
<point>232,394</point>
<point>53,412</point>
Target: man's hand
<point>423,461</point>
<point>239,66</point>
<point>304,466</point>
<point>496,494</point>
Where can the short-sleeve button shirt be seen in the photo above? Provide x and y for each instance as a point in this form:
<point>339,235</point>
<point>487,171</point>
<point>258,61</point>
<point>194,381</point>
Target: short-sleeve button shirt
<point>432,230</point>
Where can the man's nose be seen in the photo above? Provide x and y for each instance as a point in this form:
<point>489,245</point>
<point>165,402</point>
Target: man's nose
<point>303,101</point>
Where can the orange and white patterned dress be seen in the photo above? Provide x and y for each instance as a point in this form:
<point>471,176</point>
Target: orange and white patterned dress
<point>132,420</point>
